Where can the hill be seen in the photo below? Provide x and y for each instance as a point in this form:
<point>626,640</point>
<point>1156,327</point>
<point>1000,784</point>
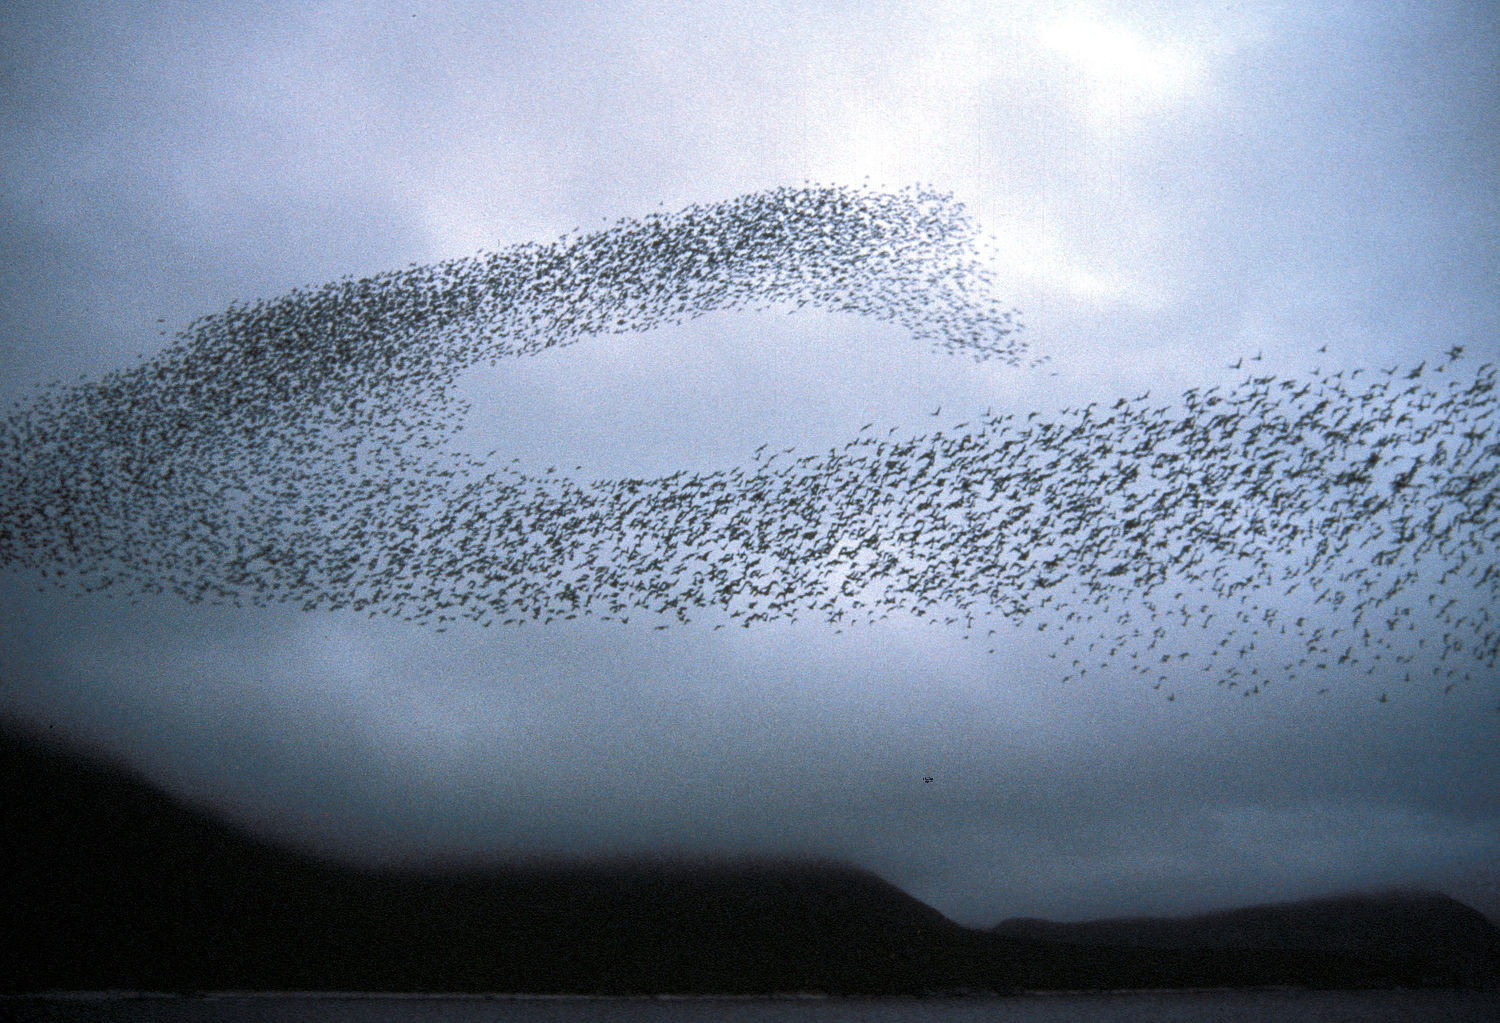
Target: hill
<point>108,884</point>
<point>1405,938</point>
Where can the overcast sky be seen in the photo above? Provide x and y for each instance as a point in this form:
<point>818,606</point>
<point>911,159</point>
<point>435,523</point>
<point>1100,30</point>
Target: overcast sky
<point>1167,188</point>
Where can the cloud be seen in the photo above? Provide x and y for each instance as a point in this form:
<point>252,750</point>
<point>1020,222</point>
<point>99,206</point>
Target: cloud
<point>1123,73</point>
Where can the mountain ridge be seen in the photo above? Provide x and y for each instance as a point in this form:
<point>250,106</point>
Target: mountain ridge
<point>1244,925</point>
<point>108,884</point>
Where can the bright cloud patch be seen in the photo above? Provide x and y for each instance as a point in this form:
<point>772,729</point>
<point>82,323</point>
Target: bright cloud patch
<point>1122,71</point>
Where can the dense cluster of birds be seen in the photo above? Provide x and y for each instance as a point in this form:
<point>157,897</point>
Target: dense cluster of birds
<point>303,450</point>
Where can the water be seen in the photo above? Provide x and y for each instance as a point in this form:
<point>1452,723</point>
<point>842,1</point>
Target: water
<point>1135,1007</point>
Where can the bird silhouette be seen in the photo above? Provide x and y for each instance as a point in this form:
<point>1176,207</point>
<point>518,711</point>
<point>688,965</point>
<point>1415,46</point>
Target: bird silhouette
<point>304,450</point>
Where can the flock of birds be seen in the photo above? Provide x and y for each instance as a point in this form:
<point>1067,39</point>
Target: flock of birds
<point>304,450</point>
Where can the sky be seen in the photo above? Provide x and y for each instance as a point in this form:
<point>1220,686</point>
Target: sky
<point>1164,190</point>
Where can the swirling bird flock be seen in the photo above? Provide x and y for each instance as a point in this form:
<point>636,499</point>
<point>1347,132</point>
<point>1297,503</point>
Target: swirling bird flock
<point>303,450</point>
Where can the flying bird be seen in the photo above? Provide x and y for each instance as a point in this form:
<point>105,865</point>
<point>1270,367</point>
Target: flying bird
<point>303,450</point>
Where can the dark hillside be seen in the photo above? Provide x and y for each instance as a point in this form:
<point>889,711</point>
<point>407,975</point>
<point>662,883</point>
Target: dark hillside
<point>1417,938</point>
<point>107,884</point>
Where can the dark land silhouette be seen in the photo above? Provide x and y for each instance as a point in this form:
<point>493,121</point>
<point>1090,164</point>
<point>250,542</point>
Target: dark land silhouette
<point>108,884</point>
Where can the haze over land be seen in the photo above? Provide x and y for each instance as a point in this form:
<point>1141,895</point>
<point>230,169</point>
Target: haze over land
<point>119,889</point>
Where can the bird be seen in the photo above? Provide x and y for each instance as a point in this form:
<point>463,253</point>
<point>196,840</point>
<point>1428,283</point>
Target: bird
<point>302,450</point>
